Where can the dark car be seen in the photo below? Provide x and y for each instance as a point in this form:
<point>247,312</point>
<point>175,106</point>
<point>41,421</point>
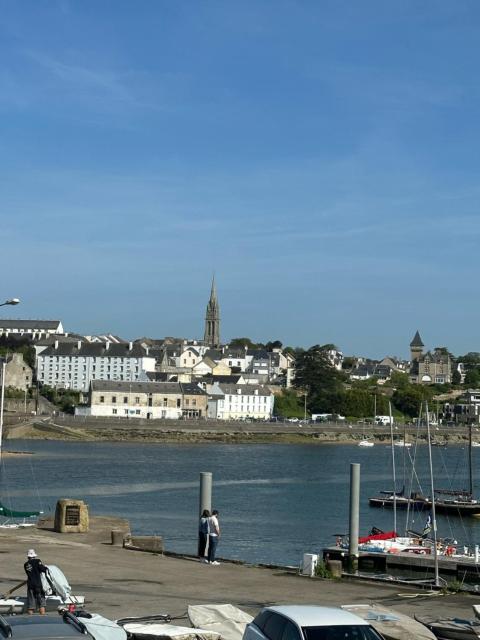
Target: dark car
<point>37,627</point>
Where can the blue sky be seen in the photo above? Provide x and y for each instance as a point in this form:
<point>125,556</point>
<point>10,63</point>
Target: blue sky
<point>322,158</point>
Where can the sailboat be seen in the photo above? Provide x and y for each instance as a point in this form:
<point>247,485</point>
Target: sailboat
<point>5,512</point>
<point>458,502</point>
<point>366,442</point>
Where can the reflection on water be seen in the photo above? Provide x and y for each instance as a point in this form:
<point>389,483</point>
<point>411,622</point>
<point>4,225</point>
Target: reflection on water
<point>276,501</point>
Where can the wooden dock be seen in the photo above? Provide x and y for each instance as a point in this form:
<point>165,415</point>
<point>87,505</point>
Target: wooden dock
<point>409,564</point>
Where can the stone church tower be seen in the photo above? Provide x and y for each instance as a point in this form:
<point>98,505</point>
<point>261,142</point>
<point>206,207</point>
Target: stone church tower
<point>416,348</point>
<point>212,319</point>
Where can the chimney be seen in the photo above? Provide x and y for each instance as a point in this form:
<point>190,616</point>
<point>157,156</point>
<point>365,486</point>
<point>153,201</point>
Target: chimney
<point>79,345</point>
<point>107,346</point>
<point>147,350</point>
<point>130,346</point>
<point>55,346</point>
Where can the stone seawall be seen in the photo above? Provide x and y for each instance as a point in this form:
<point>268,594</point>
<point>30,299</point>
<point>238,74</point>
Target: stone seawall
<point>193,431</point>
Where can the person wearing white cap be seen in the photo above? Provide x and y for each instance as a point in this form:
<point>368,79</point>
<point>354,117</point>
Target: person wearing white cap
<point>34,568</point>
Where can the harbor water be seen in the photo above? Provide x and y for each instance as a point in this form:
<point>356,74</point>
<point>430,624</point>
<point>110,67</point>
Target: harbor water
<point>276,502</point>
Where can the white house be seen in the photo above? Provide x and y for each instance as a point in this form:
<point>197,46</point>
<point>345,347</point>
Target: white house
<point>35,328</point>
<point>238,402</point>
<point>68,365</point>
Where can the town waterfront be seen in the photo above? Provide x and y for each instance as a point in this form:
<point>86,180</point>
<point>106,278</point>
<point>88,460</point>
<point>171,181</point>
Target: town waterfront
<point>276,501</point>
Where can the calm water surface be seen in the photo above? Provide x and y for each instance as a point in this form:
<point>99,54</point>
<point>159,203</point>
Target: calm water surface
<point>276,501</point>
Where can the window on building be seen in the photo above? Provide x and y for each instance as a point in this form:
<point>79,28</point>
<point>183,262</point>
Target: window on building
<point>194,403</point>
<point>114,399</point>
<point>178,402</point>
<point>137,412</point>
<point>125,399</point>
<point>114,412</point>
<point>187,402</point>
<point>165,402</point>
<point>137,399</point>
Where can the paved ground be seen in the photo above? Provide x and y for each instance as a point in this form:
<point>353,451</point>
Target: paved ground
<point>119,582</point>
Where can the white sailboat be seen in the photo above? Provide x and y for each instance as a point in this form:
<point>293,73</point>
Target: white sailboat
<point>367,442</point>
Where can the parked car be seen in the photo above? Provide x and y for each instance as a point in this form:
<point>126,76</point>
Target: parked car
<point>297,622</point>
<point>78,625</point>
<point>37,627</point>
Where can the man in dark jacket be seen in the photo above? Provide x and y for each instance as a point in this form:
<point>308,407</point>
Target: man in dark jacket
<point>34,568</point>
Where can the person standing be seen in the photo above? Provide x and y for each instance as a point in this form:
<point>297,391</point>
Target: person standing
<point>203,531</point>
<point>34,568</point>
<point>213,537</point>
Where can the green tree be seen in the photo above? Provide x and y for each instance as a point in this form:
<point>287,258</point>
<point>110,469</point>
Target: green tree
<point>315,374</point>
<point>241,343</point>
<point>470,360</point>
<point>348,362</point>
<point>408,399</point>
<point>456,377</point>
<point>289,404</point>
<point>472,377</point>
<point>276,344</point>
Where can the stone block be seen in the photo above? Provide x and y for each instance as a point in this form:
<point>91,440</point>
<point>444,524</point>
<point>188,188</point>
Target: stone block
<point>71,516</point>
<point>153,544</point>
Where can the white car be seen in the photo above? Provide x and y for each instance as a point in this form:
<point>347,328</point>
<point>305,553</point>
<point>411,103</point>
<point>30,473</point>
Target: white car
<point>298,622</point>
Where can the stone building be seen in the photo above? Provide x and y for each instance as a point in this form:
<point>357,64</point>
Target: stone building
<point>150,400</point>
<point>430,367</point>
<point>17,372</point>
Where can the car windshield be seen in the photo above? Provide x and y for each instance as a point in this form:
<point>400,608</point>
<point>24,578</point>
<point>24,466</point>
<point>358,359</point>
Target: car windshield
<point>341,632</point>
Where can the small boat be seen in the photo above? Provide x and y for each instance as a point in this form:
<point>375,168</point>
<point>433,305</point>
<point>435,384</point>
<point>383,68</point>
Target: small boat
<point>365,443</point>
<point>402,443</point>
<point>451,628</point>
<point>391,624</point>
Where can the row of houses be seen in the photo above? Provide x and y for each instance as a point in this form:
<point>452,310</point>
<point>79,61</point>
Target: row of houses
<point>176,400</point>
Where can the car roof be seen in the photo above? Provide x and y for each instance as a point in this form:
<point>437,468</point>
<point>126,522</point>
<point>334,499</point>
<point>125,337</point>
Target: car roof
<point>36,626</point>
<point>316,616</point>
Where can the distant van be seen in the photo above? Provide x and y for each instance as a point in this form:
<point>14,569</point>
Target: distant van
<point>383,420</point>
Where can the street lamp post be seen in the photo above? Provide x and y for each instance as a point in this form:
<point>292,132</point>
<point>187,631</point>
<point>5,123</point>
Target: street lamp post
<point>12,301</point>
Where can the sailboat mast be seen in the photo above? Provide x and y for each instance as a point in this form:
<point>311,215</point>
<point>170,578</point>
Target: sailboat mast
<point>393,471</point>
<point>470,465</point>
<point>2,401</point>
<point>434,519</point>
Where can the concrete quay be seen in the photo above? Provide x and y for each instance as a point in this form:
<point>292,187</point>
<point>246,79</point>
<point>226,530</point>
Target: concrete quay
<point>118,582</point>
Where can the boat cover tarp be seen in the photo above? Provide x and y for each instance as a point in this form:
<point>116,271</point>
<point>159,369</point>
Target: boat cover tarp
<point>391,624</point>
<point>387,535</point>
<point>457,628</point>
<point>163,631</point>
<point>102,628</point>
<point>227,620</point>
<point>10,513</point>
<point>55,582</point>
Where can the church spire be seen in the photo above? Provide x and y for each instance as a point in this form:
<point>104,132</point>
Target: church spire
<point>212,318</point>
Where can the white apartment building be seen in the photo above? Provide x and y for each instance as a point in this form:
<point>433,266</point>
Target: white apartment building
<point>68,365</point>
<point>239,402</point>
